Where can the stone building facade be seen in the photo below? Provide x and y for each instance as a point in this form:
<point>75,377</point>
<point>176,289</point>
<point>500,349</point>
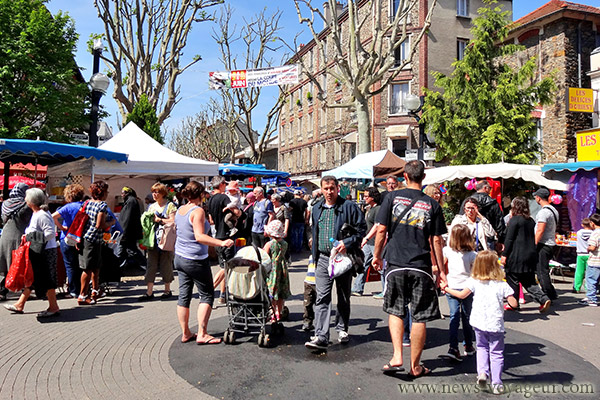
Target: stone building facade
<point>313,139</point>
<point>561,35</point>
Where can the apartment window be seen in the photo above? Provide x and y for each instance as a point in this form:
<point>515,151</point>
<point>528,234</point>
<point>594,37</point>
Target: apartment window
<point>324,83</point>
<point>310,60</point>
<point>395,4</point>
<point>462,8</point>
<point>282,135</point>
<point>338,115</point>
<point>401,53</point>
<point>310,90</point>
<point>291,133</point>
<point>337,150</point>
<point>310,157</point>
<point>299,159</point>
<point>398,92</point>
<point>325,50</point>
<point>309,125</point>
<point>323,116</point>
<point>399,147</point>
<point>300,129</point>
<point>323,155</point>
<point>461,45</point>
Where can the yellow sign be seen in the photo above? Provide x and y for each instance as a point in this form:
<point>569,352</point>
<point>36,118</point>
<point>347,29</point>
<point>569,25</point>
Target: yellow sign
<point>588,145</point>
<point>580,100</point>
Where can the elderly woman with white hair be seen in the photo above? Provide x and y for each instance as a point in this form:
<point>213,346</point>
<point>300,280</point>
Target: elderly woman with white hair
<point>41,234</point>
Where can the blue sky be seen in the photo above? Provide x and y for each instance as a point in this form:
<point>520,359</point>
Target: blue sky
<point>194,87</point>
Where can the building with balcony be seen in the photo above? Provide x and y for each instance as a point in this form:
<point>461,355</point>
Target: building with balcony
<point>314,138</point>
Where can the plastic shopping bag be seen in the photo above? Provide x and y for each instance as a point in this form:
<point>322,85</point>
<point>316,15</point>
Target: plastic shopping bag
<point>20,274</point>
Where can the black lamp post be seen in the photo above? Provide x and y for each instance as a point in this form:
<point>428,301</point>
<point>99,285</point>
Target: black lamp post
<point>99,83</point>
<point>414,104</point>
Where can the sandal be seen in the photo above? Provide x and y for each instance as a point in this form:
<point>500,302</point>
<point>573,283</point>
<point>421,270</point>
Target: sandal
<point>424,371</point>
<point>166,295</point>
<point>13,309</point>
<point>391,369</point>
<point>146,297</point>
<point>48,314</point>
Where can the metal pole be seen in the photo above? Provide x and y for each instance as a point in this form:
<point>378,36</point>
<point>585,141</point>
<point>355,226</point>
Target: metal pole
<point>5,189</point>
<point>420,151</point>
<point>96,95</point>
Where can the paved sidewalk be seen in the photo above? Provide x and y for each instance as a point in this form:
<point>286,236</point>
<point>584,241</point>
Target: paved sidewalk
<point>120,348</point>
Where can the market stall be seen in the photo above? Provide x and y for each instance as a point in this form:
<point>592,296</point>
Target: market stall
<point>376,164</point>
<point>41,152</point>
<point>149,161</point>
<point>529,173</point>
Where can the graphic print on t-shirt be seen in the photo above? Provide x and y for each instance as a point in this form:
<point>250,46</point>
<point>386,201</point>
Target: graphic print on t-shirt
<point>418,216</point>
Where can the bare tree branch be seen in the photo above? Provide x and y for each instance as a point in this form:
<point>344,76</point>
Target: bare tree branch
<point>146,39</point>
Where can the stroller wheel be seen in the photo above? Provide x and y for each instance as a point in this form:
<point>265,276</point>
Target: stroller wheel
<point>261,337</point>
<point>266,340</point>
<point>229,336</point>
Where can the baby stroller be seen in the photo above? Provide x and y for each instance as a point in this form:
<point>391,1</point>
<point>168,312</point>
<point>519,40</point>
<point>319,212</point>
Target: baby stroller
<point>248,303</point>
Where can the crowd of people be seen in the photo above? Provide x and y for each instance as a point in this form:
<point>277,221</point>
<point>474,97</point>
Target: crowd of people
<point>480,259</point>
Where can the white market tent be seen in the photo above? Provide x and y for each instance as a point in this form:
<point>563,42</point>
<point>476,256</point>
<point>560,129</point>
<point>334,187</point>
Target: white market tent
<point>148,161</point>
<point>146,157</point>
<point>362,166</point>
<point>529,173</point>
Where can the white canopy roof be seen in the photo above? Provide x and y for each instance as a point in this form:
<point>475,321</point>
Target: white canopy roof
<point>529,173</point>
<point>360,167</point>
<point>146,157</point>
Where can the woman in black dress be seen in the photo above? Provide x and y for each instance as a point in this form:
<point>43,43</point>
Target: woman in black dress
<point>520,257</point>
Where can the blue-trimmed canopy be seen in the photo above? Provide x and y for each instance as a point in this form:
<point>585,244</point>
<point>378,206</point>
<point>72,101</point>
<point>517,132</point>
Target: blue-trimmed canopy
<point>572,167</point>
<point>249,170</point>
<point>49,153</point>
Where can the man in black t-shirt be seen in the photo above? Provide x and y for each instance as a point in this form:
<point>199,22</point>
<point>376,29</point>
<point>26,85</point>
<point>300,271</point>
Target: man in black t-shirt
<point>299,209</point>
<point>409,218</point>
<point>216,204</point>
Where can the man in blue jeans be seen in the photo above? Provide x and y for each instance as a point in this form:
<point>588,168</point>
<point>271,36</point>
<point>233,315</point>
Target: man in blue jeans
<point>328,217</point>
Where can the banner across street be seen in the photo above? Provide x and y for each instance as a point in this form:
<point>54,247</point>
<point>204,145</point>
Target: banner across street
<point>274,76</point>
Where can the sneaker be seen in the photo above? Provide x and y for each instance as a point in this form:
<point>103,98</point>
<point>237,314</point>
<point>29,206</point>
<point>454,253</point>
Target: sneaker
<point>482,380</point>
<point>498,389</point>
<point>545,307</point>
<point>470,350</point>
<point>592,304</point>
<point>307,327</point>
<point>405,344</point>
<point>454,354</point>
<point>522,301</point>
<point>317,344</point>
<point>146,297</point>
<point>378,296</point>
<point>343,337</point>
<point>357,294</point>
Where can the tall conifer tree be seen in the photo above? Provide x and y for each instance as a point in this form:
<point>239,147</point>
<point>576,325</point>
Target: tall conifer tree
<point>483,114</point>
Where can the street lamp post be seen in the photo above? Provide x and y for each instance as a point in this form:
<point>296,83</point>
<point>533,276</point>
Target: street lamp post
<point>99,83</point>
<point>414,104</point>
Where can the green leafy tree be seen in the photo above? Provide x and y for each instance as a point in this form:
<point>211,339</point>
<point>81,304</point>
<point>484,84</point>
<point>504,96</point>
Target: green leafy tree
<point>144,116</point>
<point>483,114</point>
<point>40,93</point>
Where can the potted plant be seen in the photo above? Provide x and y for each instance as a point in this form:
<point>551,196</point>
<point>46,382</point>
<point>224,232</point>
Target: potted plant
<point>309,97</point>
<point>298,103</point>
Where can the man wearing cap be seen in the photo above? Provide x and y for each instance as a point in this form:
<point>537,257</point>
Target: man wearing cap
<point>299,209</point>
<point>328,217</point>
<point>545,240</point>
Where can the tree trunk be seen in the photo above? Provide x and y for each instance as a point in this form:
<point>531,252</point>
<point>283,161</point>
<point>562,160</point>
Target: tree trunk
<point>364,125</point>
